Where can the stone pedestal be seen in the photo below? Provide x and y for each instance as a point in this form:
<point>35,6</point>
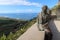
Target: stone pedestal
<point>55,28</point>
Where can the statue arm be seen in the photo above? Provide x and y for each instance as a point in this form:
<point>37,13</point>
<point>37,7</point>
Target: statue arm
<point>39,19</point>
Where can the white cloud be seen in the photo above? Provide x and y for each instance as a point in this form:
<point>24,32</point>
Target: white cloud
<point>24,11</point>
<point>17,11</point>
<point>19,2</point>
<point>7,11</point>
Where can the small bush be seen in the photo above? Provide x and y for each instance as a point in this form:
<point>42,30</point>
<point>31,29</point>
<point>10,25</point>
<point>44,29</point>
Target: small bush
<point>3,37</point>
<point>10,36</point>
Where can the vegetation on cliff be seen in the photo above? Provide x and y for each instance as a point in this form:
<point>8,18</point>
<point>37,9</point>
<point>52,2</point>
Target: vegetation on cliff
<point>11,29</point>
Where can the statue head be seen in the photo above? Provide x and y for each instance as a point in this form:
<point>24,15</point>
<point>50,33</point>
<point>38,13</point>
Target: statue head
<point>44,8</point>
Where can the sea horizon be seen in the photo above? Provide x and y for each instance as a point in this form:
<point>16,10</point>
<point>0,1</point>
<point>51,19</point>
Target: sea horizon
<point>24,16</point>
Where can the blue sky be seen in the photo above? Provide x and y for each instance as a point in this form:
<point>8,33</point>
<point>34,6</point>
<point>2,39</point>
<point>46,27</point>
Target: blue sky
<point>24,6</point>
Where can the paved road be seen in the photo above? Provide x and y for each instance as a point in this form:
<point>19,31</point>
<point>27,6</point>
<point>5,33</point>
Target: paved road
<point>55,27</point>
<point>32,34</point>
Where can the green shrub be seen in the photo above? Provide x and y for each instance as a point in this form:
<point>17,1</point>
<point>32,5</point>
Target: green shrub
<point>3,37</point>
<point>10,36</point>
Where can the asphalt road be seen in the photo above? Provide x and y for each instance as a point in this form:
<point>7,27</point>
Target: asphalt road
<point>32,34</point>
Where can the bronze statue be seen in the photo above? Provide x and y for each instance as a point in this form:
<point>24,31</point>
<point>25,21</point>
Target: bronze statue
<point>43,18</point>
<point>44,14</point>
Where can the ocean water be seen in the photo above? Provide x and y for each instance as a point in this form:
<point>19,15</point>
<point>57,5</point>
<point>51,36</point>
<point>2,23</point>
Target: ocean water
<point>25,16</point>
